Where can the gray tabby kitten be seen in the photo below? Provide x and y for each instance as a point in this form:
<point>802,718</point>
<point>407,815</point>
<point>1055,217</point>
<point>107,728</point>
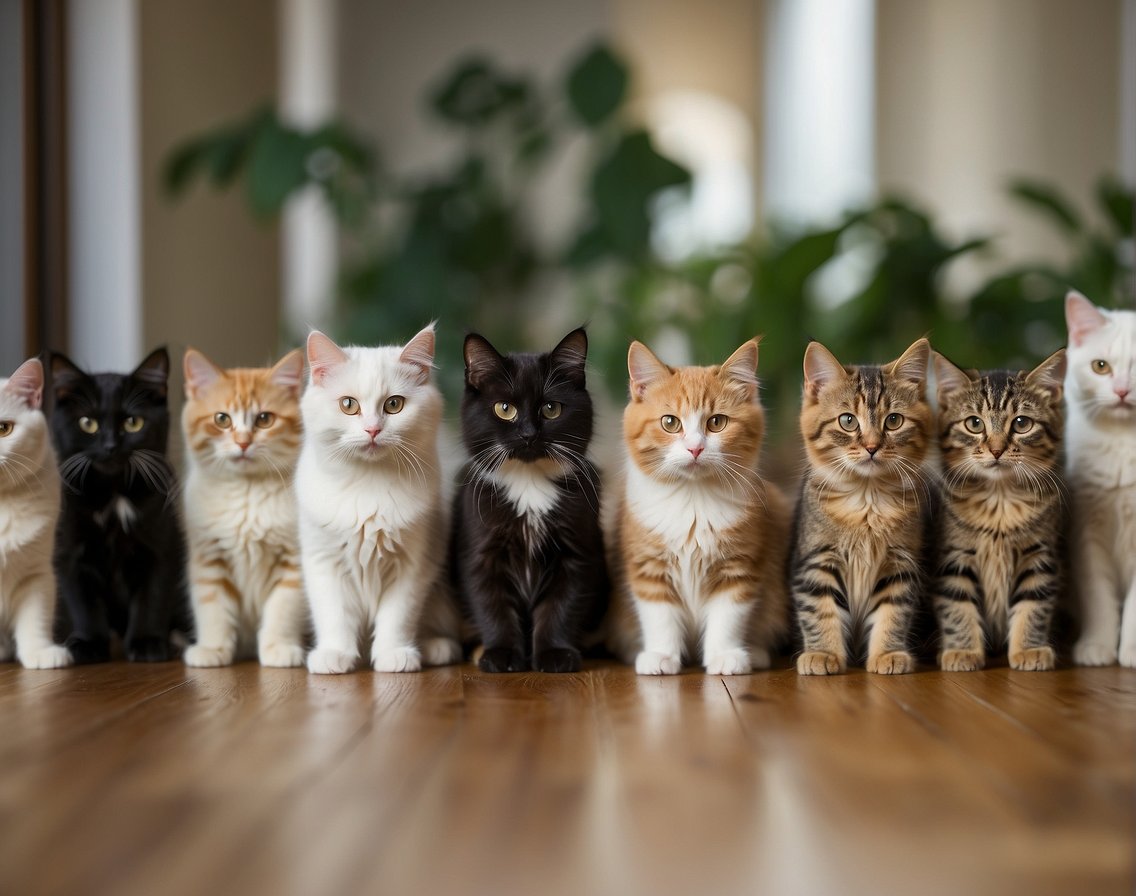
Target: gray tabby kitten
<point>998,570</point>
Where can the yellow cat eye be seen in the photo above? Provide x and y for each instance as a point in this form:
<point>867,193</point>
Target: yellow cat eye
<point>1022,424</point>
<point>717,423</point>
<point>974,424</point>
<point>132,424</point>
<point>893,422</point>
<point>349,405</point>
<point>265,419</point>
<point>6,427</point>
<point>550,410</point>
<point>1102,367</point>
<point>505,411</point>
<point>394,404</point>
<point>89,425</point>
<point>670,423</point>
<point>848,422</point>
<point>222,421</point>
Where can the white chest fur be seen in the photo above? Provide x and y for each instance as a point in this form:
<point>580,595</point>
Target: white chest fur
<point>530,487</point>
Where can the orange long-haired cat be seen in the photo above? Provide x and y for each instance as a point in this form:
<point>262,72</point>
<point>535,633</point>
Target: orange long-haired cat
<point>701,539</point>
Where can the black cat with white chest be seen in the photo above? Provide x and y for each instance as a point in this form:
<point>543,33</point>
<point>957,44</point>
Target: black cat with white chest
<point>120,554</point>
<point>528,550</point>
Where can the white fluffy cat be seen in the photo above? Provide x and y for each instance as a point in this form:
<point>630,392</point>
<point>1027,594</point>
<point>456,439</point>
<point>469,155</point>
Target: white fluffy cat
<point>372,518</point>
<point>1100,389</point>
<point>29,508</point>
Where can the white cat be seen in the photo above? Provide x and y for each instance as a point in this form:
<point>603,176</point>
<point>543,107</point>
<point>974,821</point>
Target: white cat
<point>1100,389</point>
<point>372,520</point>
<point>29,508</point>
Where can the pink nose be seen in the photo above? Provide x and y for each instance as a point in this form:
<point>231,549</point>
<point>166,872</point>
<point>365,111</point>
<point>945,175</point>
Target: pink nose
<point>1121,393</point>
<point>695,451</point>
<point>997,452</point>
<point>243,444</point>
<point>373,432</point>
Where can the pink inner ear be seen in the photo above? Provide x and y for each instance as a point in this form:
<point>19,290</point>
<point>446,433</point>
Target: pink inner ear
<point>200,373</point>
<point>1082,317</point>
<point>643,368</point>
<point>27,383</point>
<point>324,356</point>
<point>420,352</point>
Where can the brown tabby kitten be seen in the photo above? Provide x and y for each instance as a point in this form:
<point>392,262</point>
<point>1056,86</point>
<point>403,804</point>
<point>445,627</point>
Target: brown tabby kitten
<point>702,539</point>
<point>861,523</point>
<point>998,569</point>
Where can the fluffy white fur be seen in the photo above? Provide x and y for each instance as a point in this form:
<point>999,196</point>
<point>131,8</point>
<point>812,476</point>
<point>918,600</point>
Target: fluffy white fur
<point>1101,464</point>
<point>29,508</point>
<point>372,521</point>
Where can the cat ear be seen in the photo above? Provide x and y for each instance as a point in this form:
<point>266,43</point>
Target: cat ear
<point>27,383</point>
<point>481,360</point>
<point>741,367</point>
<point>912,364</point>
<point>644,370</point>
<point>154,371</point>
<point>200,373</point>
<point>1049,375</point>
<point>570,355</point>
<point>1082,317</point>
<point>821,368</point>
<point>65,374</point>
<point>419,352</point>
<point>324,356</point>
<point>288,372</point>
<point>948,377</point>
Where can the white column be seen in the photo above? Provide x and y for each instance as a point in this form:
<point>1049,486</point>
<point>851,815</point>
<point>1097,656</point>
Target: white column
<point>819,108</point>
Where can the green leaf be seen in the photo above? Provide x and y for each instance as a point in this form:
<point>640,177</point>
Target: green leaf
<point>1046,199</point>
<point>277,167</point>
<point>1117,202</point>
<point>597,85</point>
<point>183,164</point>
<point>475,93</point>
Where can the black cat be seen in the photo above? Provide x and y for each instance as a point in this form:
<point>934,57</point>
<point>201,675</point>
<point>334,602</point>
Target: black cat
<point>120,553</point>
<point>527,547</point>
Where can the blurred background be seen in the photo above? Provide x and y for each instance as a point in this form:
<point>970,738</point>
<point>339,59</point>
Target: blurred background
<point>230,173</point>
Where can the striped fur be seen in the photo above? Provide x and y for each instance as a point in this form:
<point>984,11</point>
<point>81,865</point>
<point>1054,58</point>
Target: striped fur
<point>997,574</point>
<point>858,553</point>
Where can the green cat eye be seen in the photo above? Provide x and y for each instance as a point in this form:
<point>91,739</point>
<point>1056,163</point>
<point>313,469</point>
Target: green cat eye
<point>717,423</point>
<point>974,424</point>
<point>893,421</point>
<point>505,411</point>
<point>265,419</point>
<point>1022,424</point>
<point>6,427</point>
<point>1102,367</point>
<point>848,422</point>
<point>670,423</point>
<point>349,405</point>
<point>550,410</point>
<point>89,425</point>
<point>132,424</point>
<point>394,404</point>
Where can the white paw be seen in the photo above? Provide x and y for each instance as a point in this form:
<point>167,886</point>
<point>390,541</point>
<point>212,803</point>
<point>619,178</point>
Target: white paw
<point>53,657</point>
<point>1094,653</point>
<point>397,659</point>
<point>327,661</point>
<point>440,652</point>
<point>651,662</point>
<point>729,662</point>
<point>208,657</point>
<point>283,656</point>
<point>1128,656</point>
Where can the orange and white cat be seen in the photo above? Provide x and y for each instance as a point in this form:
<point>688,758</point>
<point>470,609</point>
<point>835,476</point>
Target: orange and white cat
<point>243,431</point>
<point>701,539</point>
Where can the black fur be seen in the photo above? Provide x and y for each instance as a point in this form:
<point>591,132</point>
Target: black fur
<point>532,593</point>
<point>115,575</point>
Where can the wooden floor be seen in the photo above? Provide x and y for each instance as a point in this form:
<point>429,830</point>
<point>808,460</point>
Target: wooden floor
<point>163,780</point>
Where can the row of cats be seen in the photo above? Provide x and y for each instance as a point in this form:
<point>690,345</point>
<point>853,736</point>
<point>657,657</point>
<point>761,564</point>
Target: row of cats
<point>315,513</point>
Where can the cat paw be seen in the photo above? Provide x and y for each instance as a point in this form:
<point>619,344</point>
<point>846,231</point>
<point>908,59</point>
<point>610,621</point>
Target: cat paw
<point>961,660</point>
<point>397,659</point>
<point>200,656</point>
<point>1093,653</point>
<point>897,662</point>
<point>148,650</point>
<point>557,659</point>
<point>651,662</point>
<point>281,656</point>
<point>84,651</point>
<point>51,657</point>
<point>501,659</point>
<point>817,662</point>
<point>1127,656</point>
<point>328,661</point>
<point>729,662</point>
<point>1034,659</point>
<point>440,652</point>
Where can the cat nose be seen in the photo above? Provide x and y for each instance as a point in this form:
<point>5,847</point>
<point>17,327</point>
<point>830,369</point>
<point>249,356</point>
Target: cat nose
<point>373,430</point>
<point>997,452</point>
<point>872,448</point>
<point>243,440</point>
<point>1121,393</point>
<point>696,451</point>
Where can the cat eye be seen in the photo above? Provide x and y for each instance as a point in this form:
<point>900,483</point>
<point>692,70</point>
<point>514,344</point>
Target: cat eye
<point>394,404</point>
<point>265,419</point>
<point>717,423</point>
<point>1102,367</point>
<point>1022,424</point>
<point>550,410</point>
<point>848,422</point>
<point>505,411</point>
<point>6,427</point>
<point>89,425</point>
<point>222,421</point>
<point>670,423</point>
<point>974,424</point>
<point>132,424</point>
<point>349,405</point>
<point>893,421</point>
